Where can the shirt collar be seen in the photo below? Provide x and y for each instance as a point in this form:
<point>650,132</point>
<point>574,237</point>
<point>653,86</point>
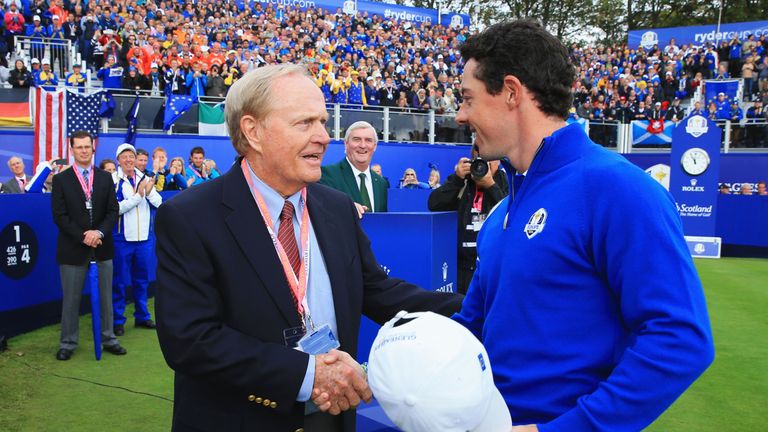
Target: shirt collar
<point>274,200</point>
<point>357,172</point>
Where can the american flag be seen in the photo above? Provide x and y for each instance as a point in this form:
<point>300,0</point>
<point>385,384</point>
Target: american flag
<point>57,115</point>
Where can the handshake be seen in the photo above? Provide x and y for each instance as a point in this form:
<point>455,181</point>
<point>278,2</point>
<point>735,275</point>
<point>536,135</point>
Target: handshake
<point>340,383</point>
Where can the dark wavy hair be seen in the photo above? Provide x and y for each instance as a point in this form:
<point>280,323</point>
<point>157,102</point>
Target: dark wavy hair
<point>525,49</point>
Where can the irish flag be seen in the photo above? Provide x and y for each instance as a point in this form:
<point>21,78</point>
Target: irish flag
<point>211,120</point>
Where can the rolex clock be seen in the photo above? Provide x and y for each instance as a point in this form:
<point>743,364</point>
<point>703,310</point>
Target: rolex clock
<point>695,161</point>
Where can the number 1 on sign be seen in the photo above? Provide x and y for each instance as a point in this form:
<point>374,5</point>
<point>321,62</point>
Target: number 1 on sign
<point>18,233</point>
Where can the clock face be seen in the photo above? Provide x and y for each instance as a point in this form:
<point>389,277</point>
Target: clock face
<point>695,161</point>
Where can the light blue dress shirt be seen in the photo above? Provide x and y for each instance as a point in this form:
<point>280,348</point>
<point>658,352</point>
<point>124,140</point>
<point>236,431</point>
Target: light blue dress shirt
<point>319,294</point>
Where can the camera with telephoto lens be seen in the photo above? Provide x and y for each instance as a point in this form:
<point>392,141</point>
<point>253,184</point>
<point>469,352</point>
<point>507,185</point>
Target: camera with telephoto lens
<point>478,168</point>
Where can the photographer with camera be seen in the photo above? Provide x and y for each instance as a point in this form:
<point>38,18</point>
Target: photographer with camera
<point>472,190</point>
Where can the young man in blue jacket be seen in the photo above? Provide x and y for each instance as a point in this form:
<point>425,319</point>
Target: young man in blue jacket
<point>585,295</point>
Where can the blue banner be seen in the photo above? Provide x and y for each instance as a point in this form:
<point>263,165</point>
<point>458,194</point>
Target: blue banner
<point>455,20</point>
<point>695,168</point>
<point>386,11</point>
<point>715,87</point>
<point>696,35</point>
<point>642,135</point>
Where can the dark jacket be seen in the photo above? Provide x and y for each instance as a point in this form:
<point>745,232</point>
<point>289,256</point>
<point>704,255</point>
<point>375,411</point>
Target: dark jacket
<point>223,303</point>
<point>71,216</point>
<point>340,177</point>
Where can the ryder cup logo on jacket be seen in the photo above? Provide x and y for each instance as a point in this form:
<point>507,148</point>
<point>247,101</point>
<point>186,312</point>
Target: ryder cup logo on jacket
<point>696,126</point>
<point>536,223</point>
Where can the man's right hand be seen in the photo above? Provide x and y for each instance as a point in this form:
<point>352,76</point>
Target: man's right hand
<point>462,168</point>
<point>361,209</point>
<point>340,383</point>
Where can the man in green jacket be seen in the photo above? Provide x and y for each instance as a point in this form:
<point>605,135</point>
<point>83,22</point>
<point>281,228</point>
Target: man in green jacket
<point>353,176</point>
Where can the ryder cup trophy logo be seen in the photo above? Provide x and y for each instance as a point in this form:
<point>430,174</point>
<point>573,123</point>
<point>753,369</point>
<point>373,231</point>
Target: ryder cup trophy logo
<point>445,272</point>
<point>349,7</point>
<point>649,39</point>
<point>536,223</point>
<point>699,248</point>
<point>696,126</point>
<point>457,22</point>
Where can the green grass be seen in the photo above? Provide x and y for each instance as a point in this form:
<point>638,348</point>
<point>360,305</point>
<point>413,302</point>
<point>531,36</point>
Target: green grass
<point>133,392</point>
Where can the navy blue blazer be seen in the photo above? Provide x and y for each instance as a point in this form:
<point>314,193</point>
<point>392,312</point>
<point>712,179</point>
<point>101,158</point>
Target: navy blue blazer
<point>223,303</point>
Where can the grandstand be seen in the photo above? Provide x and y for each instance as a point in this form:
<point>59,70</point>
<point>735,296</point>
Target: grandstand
<point>154,51</point>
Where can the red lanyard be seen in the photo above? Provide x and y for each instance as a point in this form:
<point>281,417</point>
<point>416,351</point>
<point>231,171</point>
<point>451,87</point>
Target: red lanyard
<point>199,174</point>
<point>87,189</point>
<point>298,283</point>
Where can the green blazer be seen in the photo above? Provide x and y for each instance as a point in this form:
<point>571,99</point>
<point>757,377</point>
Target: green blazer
<point>340,177</point>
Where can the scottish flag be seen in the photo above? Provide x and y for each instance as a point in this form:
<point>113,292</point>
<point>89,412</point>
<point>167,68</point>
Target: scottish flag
<point>642,136</point>
<point>175,107</point>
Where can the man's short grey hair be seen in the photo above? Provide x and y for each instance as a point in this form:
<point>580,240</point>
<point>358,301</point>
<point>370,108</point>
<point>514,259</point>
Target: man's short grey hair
<point>252,95</point>
<point>12,158</point>
<point>361,125</point>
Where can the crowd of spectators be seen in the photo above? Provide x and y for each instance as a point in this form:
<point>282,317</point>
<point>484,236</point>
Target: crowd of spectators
<point>201,48</point>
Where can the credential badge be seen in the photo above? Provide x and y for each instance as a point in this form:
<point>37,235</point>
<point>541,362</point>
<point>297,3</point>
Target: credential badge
<point>536,223</point>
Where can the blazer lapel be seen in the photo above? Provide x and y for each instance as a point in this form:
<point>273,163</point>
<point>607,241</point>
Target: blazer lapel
<point>326,231</point>
<point>349,180</point>
<point>248,229</point>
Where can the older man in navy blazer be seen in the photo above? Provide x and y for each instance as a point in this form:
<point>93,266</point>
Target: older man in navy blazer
<point>250,261</point>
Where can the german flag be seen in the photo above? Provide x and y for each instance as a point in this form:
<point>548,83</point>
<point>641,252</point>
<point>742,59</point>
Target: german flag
<point>14,107</point>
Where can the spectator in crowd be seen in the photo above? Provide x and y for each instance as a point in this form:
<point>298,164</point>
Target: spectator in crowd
<point>376,168</point>
<point>142,160</point>
<point>712,112</point>
<point>47,78</point>
<point>410,181</point>
<point>108,165</point>
<point>696,109</point>
<point>133,247</point>
<point>761,190</point>
<point>473,200</point>
<point>14,24</point>
<point>352,175</point>
<point>20,77</point>
<point>216,86</point>
<point>175,79</point>
<point>85,234</point>
<point>675,112</point>
<point>434,179</point>
<point>371,93</point>
<point>553,256</point>
<point>111,74</point>
<point>389,95</point>
<point>198,170</point>
<point>735,115</point>
<point>19,180</point>
<point>134,81</point>
<point>762,76</point>
<point>37,34</point>
<point>747,72</point>
<point>155,82</point>
<point>159,167</point>
<point>196,81</point>
<point>201,295</point>
<point>76,78</point>
<point>756,128</point>
<point>177,179</point>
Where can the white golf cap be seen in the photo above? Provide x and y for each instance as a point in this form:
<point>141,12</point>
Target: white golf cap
<point>46,61</point>
<point>123,147</point>
<point>34,60</point>
<point>429,373</point>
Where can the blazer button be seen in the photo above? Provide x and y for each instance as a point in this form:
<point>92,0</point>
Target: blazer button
<point>273,405</point>
<point>251,398</point>
<point>258,400</point>
<point>266,402</point>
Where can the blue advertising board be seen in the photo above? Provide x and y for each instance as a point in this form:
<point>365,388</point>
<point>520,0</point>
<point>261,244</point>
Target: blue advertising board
<point>694,172</point>
<point>696,35</point>
<point>387,11</point>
